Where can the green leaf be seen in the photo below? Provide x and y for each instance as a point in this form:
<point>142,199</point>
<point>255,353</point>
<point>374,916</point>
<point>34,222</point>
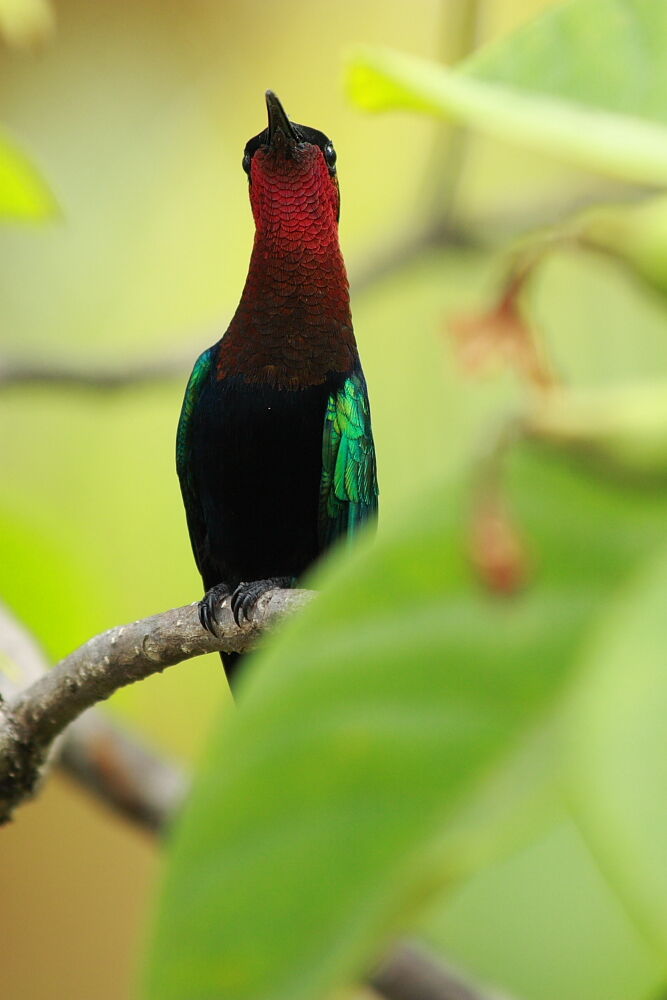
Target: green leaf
<point>23,192</point>
<point>637,234</point>
<point>585,82</point>
<point>517,799</point>
<point>624,425</point>
<point>545,924</point>
<point>319,825</point>
<point>619,748</point>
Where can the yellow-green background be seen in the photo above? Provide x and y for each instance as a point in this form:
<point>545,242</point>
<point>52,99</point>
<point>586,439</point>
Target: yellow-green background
<point>137,113</point>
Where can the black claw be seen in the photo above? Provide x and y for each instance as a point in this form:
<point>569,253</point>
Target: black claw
<point>205,615</point>
<point>237,599</point>
<point>208,607</point>
<point>246,595</point>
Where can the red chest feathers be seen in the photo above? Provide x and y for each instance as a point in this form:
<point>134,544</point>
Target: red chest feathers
<point>293,325</point>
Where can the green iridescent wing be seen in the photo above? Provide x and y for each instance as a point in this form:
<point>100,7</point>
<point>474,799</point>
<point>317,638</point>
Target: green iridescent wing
<point>196,525</point>
<point>348,488</point>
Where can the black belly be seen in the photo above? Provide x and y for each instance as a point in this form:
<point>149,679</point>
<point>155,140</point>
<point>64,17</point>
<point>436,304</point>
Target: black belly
<point>257,456</point>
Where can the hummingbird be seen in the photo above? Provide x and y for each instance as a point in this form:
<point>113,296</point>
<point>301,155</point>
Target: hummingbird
<point>274,449</point>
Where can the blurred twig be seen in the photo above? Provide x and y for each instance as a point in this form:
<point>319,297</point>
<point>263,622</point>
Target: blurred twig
<point>437,232</point>
<point>29,372</point>
<point>412,973</point>
<point>440,230</point>
<point>120,771</point>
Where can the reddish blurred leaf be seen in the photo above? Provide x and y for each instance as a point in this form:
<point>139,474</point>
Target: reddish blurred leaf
<point>496,548</point>
<point>503,334</point>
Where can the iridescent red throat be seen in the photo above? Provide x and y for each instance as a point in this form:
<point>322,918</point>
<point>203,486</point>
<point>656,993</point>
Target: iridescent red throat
<point>293,325</point>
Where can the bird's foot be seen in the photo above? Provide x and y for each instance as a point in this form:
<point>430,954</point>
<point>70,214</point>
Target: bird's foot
<point>246,595</point>
<point>208,606</point>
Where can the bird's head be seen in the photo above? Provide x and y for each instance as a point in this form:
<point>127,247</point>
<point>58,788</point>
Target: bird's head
<point>292,173</point>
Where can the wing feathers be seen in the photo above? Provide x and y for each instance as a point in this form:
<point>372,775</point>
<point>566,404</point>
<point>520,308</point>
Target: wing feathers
<point>348,488</point>
<point>195,519</point>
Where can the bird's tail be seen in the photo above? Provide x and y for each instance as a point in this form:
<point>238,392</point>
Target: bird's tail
<point>231,662</point>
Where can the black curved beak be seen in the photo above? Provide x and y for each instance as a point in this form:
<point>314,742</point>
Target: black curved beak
<point>279,123</point>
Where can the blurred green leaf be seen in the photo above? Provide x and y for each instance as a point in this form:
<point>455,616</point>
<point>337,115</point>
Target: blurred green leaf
<point>585,82</point>
<point>624,425</point>
<point>637,234</point>
<point>318,827</point>
<point>514,802</point>
<point>43,582</point>
<point>544,924</point>
<point>23,192</point>
<point>619,748</point>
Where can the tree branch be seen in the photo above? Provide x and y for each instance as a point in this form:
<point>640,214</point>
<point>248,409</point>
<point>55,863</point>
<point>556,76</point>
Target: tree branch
<point>32,719</point>
<point>134,781</point>
<point>96,752</point>
<point>411,972</point>
<point>17,372</point>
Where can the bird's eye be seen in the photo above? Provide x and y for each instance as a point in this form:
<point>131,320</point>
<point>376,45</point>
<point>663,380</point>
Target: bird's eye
<point>246,162</point>
<point>330,155</point>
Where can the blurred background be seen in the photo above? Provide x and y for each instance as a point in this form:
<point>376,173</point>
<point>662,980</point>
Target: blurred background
<point>136,114</point>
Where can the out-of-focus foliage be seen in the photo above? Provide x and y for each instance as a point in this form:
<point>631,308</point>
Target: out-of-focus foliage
<point>543,922</point>
<point>320,825</point>
<point>353,748</point>
<point>137,114</point>
<point>619,747</point>
<point>584,83</point>
<point>23,193</point>
<point>625,425</point>
<point>635,234</point>
<point>26,23</point>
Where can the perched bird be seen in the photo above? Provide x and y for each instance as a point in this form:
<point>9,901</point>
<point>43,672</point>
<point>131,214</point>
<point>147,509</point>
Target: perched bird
<point>274,450</point>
